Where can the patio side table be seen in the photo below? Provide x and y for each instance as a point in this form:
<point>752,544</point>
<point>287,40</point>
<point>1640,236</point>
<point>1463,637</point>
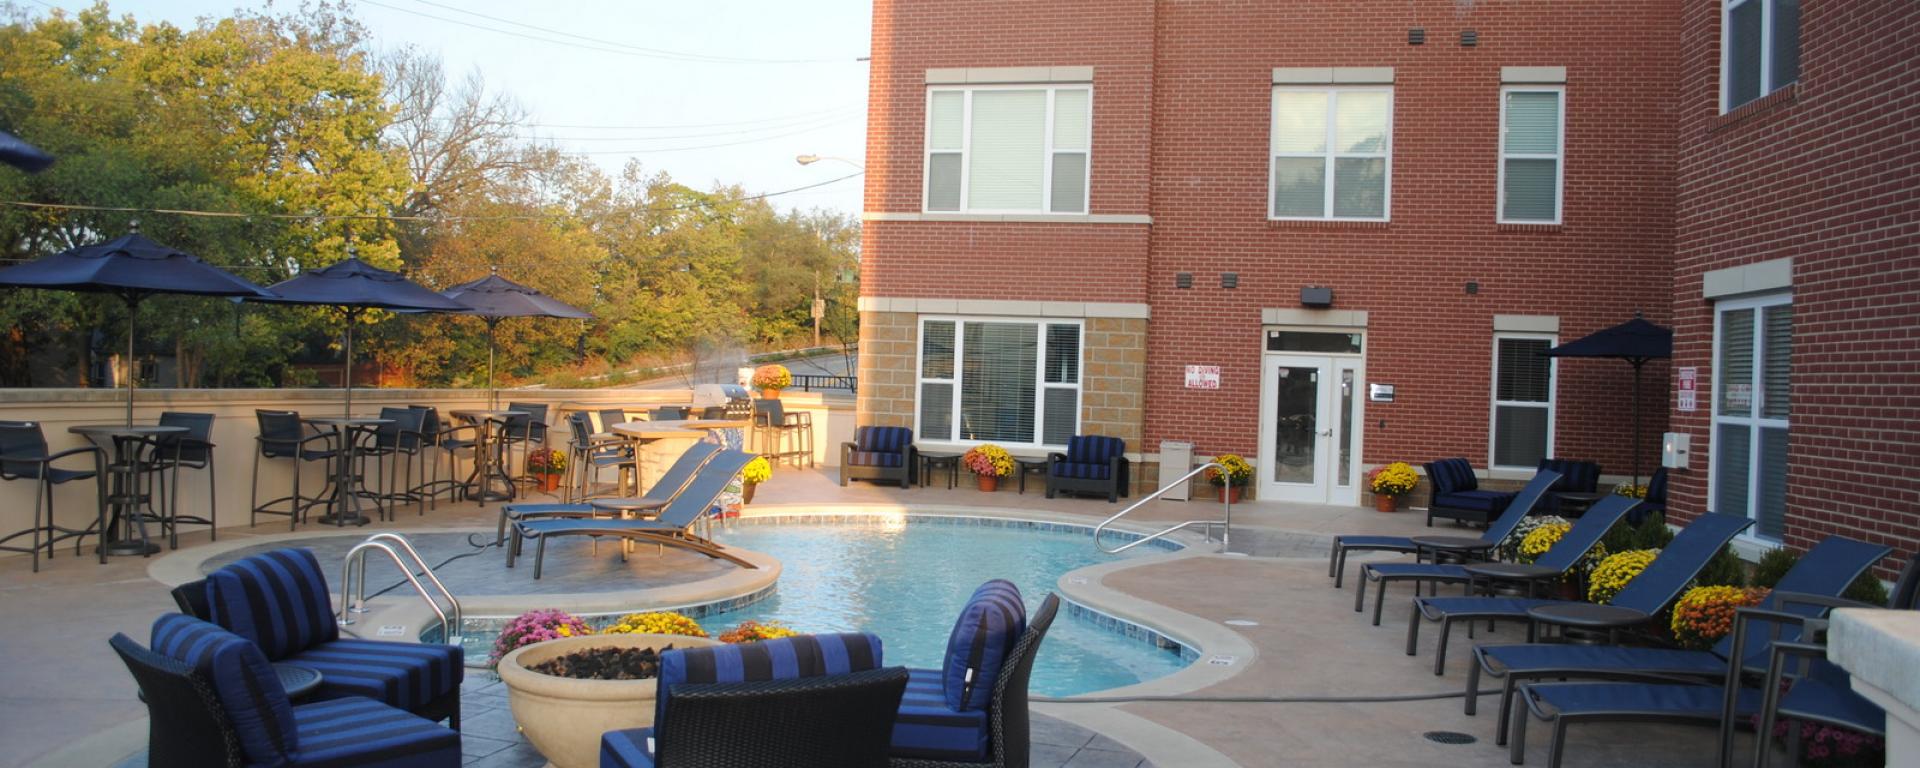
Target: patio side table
<point>1576,503</point>
<point>1026,467</point>
<point>930,461</point>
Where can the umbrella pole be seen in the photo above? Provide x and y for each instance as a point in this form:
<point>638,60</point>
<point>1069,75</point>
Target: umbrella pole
<point>493,395</point>
<point>133,305</point>
<point>349,372</point>
<point>1636,422</point>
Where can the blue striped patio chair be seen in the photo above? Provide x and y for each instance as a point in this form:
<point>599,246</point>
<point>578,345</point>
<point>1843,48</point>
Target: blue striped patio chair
<point>1092,464</point>
<point>879,453</point>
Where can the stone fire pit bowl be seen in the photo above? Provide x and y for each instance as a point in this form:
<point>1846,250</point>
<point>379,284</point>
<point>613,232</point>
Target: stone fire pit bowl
<point>564,717</point>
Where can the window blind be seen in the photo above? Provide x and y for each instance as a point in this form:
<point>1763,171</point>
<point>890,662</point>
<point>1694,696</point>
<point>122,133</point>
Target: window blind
<point>1008,142</point>
<point>1533,122</point>
<point>998,382</point>
<point>1299,121</point>
<point>1771,510</point>
<point>1732,461</point>
<point>1743,52</point>
<point>1733,376</point>
<point>1775,375</point>
<point>1526,373</point>
<point>1784,48</point>
<point>1360,123</point>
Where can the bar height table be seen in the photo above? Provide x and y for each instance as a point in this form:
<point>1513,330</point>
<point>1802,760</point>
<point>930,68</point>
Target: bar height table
<point>122,516</point>
<point>486,466</point>
<point>343,504</point>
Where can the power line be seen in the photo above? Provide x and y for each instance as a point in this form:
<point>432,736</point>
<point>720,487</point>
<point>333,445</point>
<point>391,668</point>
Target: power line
<point>617,44</point>
<point>814,122</point>
<point>386,217</point>
<point>754,140</point>
<point>623,51</point>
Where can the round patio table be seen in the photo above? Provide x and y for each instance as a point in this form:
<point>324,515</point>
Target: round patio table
<point>1576,503</point>
<point>1458,546</point>
<point>122,516</point>
<point>932,460</point>
<point>1588,616</point>
<point>343,503</point>
<point>1030,466</point>
<point>487,466</point>
<point>1527,572</point>
<point>300,681</point>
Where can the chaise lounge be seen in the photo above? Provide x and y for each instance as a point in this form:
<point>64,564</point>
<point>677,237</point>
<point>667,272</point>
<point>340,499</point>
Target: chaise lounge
<point>673,527</point>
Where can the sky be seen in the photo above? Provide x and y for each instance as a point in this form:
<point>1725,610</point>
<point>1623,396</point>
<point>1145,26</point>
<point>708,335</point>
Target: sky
<point>639,79</point>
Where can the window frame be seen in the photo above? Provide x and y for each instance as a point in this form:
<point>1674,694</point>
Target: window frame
<point>1755,422</point>
<point>1331,155</point>
<point>1559,158</point>
<point>1041,385</point>
<point>1495,403</point>
<point>1767,86</point>
<point>966,150</point>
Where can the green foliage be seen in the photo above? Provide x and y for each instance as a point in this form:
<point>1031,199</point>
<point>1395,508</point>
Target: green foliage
<point>1651,533</point>
<point>285,115</point>
<point>1773,565</point>
<point>1726,569</point>
<point>1867,589</point>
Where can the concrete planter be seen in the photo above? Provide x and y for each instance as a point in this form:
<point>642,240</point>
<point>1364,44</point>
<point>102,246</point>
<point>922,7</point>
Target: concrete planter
<point>564,717</point>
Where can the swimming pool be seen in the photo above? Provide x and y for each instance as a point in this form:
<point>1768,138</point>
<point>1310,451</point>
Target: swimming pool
<point>905,579</point>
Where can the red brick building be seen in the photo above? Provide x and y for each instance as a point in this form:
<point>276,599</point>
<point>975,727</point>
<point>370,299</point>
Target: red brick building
<point>1237,224</point>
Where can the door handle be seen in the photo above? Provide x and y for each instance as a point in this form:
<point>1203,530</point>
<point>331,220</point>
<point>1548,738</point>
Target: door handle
<point>1328,432</point>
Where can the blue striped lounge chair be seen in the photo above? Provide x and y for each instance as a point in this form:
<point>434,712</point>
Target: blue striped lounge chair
<point>1558,561</point>
<point>214,699</point>
<point>1575,477</point>
<point>766,686</point>
<point>280,601</point>
<point>1092,464</point>
<point>673,527</point>
<point>670,484</point>
<point>1431,572</point>
<point>1456,493</point>
<point>973,710</point>
<point>1824,571</point>
<point>879,453</point>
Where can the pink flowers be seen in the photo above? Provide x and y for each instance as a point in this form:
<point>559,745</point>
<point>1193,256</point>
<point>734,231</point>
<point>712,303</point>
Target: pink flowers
<point>533,627</point>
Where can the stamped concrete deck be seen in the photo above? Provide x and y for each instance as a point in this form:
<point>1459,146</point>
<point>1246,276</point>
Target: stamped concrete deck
<point>66,701</point>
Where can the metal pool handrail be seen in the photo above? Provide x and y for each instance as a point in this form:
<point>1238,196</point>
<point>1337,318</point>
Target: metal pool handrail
<point>1225,522</point>
<point>355,565</point>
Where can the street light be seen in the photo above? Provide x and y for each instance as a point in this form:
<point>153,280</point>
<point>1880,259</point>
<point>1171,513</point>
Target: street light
<point>811,159</point>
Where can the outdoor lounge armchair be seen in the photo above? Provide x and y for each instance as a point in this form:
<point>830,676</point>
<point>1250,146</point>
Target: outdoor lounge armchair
<point>213,699</point>
<point>1432,572</point>
<point>664,490</point>
<point>1824,572</point>
<point>1092,464</point>
<point>1575,477</point>
<point>1556,563</point>
<point>280,601</point>
<point>672,528</point>
<point>1821,695</point>
<point>1456,493</point>
<point>1002,731</point>
<point>809,701</point>
<point>879,453</point>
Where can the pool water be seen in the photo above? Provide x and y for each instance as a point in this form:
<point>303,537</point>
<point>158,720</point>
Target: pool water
<point>906,582</point>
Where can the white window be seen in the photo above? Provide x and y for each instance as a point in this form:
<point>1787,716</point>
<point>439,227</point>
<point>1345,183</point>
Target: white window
<point>1332,153</point>
<point>1752,352</point>
<point>1522,400</point>
<point>1759,49</point>
<point>1013,382</point>
<point>1532,142</point>
<point>1009,149</point>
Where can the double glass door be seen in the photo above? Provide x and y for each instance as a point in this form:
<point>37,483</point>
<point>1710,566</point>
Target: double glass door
<point>1308,429</point>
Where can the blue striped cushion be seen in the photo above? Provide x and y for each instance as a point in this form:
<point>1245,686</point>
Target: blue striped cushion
<point>927,728</point>
<point>363,733</point>
<point>988,627</point>
<point>404,675</point>
<point>626,749</point>
<point>883,439</point>
<point>1094,449</point>
<point>785,658</point>
<point>277,599</point>
<point>1493,502</point>
<point>243,679</point>
<point>876,459</point>
<point>1082,471</point>
<point>1451,476</point>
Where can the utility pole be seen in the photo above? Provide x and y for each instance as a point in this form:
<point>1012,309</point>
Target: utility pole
<point>819,308</point>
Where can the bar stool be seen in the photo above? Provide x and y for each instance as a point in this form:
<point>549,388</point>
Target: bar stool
<point>23,456</point>
<point>775,426</point>
<point>612,416</point>
<point>192,450</point>
<point>667,413</point>
<point>402,437</point>
<point>448,440</point>
<point>523,431</point>
<point>284,436</point>
<point>587,456</point>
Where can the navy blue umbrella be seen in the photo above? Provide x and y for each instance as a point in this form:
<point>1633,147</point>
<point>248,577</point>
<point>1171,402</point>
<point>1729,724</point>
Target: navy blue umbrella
<point>1635,341</point>
<point>22,155</point>
<point>494,298</point>
<point>133,268</point>
<point>357,286</point>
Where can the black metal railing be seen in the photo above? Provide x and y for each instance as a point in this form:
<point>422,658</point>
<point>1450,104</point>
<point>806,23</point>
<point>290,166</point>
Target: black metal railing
<point>808,382</point>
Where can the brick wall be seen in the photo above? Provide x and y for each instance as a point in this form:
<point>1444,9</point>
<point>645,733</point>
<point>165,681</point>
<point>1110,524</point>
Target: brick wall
<point>1822,172</point>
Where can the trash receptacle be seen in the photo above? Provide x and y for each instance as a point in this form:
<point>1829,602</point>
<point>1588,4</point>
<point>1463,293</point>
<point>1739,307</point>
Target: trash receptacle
<point>1176,459</point>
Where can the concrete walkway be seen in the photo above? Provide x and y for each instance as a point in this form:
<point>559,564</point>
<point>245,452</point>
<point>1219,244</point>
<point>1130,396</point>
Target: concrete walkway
<point>62,685</point>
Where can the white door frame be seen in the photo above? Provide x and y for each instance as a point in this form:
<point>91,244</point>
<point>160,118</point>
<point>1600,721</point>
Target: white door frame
<point>1326,488</point>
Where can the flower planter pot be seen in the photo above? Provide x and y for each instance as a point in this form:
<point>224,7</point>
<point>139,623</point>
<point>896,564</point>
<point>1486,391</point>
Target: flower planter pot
<point>769,394</point>
<point>988,483</point>
<point>746,493</point>
<point>548,483</point>
<point>1232,493</point>
<point>564,717</point>
<point>1384,503</point>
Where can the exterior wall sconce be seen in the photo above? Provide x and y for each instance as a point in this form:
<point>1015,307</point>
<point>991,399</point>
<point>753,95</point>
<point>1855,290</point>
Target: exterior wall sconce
<point>1317,297</point>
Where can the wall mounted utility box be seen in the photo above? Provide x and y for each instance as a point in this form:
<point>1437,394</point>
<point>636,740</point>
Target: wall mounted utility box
<point>1675,447</point>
